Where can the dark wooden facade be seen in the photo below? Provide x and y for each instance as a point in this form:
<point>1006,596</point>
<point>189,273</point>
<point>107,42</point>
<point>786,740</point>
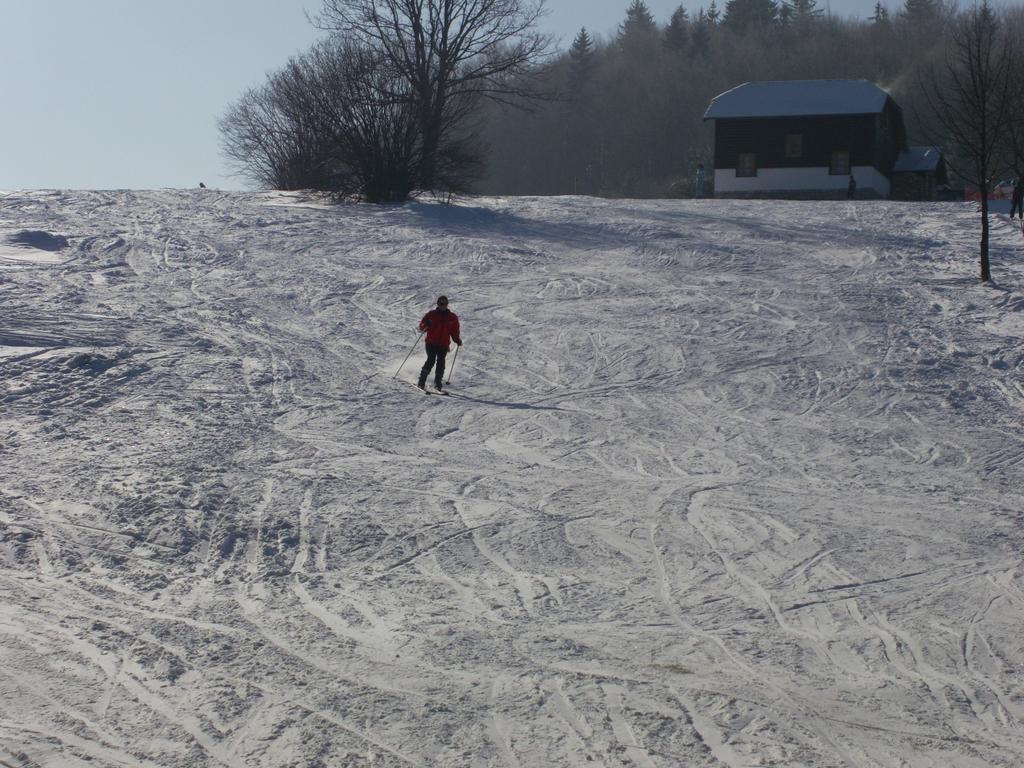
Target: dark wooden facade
<point>871,140</point>
<point>915,186</point>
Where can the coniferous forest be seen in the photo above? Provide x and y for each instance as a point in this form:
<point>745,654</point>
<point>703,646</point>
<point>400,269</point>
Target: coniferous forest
<point>624,114</point>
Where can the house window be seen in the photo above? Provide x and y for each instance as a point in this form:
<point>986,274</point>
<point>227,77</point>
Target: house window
<point>746,165</point>
<point>794,146</point>
<point>839,164</point>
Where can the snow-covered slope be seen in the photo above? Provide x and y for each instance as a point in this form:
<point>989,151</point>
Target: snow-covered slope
<point>720,484</point>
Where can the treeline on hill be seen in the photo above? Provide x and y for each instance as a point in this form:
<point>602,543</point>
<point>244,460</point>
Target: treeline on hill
<point>463,95</point>
<point>628,117</point>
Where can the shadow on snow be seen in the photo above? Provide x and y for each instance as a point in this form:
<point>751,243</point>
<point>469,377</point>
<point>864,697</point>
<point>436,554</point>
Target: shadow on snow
<point>501,404</point>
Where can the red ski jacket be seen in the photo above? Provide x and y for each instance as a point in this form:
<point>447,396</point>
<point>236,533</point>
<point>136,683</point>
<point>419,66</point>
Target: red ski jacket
<point>442,327</point>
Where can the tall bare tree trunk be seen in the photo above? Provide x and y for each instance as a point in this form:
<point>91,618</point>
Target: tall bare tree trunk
<point>986,273</point>
<point>972,98</point>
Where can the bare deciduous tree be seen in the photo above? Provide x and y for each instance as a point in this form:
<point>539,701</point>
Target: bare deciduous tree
<point>971,97</point>
<point>449,54</point>
<point>268,138</point>
<point>333,119</point>
<point>370,127</point>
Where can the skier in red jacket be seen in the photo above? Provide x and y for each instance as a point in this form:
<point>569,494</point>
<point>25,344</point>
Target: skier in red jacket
<point>442,327</point>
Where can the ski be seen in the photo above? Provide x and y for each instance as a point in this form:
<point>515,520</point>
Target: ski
<point>431,390</point>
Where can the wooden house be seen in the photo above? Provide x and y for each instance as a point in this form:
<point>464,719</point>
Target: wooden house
<point>806,138</point>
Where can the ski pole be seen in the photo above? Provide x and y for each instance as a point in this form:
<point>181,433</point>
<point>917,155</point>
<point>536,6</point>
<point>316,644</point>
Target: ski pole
<point>454,358</point>
<point>409,355</point>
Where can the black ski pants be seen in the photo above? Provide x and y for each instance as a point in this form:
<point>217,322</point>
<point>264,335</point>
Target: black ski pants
<point>1017,206</point>
<point>435,353</point>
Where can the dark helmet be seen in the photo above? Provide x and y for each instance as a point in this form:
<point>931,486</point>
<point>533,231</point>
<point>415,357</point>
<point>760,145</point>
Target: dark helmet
<point>442,301</point>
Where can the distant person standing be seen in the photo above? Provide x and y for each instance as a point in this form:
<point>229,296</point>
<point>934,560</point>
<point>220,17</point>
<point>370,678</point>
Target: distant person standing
<point>442,328</point>
<point>698,183</point>
<point>851,188</point>
<point>1017,199</point>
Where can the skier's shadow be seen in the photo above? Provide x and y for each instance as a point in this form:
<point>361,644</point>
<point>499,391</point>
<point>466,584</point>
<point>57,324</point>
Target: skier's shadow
<point>511,406</point>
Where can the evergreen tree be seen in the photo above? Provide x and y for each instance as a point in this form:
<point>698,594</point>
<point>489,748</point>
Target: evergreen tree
<point>805,12</point>
<point>639,28</point>
<point>742,15</point>
<point>581,61</point>
<point>881,15</point>
<point>700,35</point>
<point>920,11</point>
<point>574,155</point>
<point>786,14</point>
<point>677,31</point>
<point>714,16</point>
<point>632,127</point>
<point>919,22</point>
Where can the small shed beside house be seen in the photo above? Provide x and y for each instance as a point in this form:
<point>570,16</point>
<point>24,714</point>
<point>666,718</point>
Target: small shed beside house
<point>917,174</point>
<point>805,138</point>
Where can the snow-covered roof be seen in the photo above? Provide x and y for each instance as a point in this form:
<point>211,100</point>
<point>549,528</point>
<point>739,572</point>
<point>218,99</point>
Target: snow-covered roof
<point>798,98</point>
<point>917,159</point>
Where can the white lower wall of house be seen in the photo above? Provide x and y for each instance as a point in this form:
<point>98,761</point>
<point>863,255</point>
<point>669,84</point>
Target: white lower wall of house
<point>800,179</point>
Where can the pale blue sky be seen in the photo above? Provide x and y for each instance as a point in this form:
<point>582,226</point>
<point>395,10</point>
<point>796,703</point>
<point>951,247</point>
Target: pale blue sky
<point>125,94</point>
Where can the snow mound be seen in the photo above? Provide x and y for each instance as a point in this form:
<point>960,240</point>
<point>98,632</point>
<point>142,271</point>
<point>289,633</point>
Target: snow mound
<point>43,241</point>
<point>33,246</point>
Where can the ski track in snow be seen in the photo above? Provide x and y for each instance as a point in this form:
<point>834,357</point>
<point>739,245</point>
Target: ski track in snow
<point>720,484</point>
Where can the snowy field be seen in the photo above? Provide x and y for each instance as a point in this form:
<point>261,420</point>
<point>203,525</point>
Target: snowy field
<point>719,484</point>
